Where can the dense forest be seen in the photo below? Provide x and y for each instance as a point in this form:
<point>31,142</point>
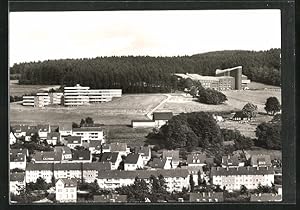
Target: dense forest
<point>137,74</point>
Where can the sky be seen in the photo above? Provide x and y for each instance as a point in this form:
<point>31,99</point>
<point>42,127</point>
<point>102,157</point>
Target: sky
<point>38,36</point>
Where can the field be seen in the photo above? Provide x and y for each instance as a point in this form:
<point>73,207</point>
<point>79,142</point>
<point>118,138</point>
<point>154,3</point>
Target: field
<point>19,90</point>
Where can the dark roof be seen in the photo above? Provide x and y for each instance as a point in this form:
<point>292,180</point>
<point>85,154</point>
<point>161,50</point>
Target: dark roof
<point>47,156</point>
<point>24,128</point>
<point>118,147</point>
<point>205,197</point>
<point>143,174</point>
<point>43,128</point>
<point>162,115</point>
<point>265,197</point>
<point>218,171</point>
<point>231,160</point>
<point>143,150</point>
<point>110,198</point>
<point>261,160</point>
<point>95,143</point>
<point>63,149</point>
<point>17,158</point>
<point>193,169</point>
<point>195,158</point>
<point>17,177</point>
<point>67,166</point>
<point>69,182</point>
<point>81,155</point>
<point>39,166</point>
<point>53,134</point>
<point>18,151</point>
<point>158,163</point>
<point>132,158</point>
<point>73,139</point>
<point>96,166</point>
<point>53,128</point>
<point>109,157</point>
<point>240,114</point>
<point>90,129</point>
<point>171,153</point>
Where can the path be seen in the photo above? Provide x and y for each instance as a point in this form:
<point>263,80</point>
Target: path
<point>149,114</point>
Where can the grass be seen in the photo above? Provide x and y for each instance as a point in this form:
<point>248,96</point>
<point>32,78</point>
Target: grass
<point>18,90</point>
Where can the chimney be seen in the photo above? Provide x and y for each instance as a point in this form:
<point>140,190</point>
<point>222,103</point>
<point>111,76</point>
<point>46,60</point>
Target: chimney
<point>257,168</point>
<point>203,194</point>
<point>227,168</point>
<point>208,194</point>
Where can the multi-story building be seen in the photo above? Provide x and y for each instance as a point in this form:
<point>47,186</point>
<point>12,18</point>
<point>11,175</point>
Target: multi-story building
<point>56,98</point>
<point>17,161</point>
<point>68,170</point>
<point>39,170</point>
<point>261,160</point>
<point>206,197</point>
<point>29,101</point>
<point>90,170</point>
<point>133,162</point>
<point>89,133</point>
<point>42,99</point>
<point>145,152</point>
<point>114,158</point>
<point>17,183</point>
<point>47,157</point>
<point>196,159</point>
<point>65,130</point>
<point>232,161</point>
<point>79,95</point>
<point>43,131</point>
<point>234,178</point>
<point>111,198</point>
<point>66,190</point>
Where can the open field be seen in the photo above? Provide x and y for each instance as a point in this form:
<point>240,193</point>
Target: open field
<point>260,86</point>
<point>19,90</point>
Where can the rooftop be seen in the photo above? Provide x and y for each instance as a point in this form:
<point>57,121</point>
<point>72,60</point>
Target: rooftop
<point>218,171</point>
<point>162,115</point>
<point>53,135</point>
<point>81,155</point>
<point>87,129</point>
<point>158,163</point>
<point>47,156</point>
<point>196,158</point>
<point>205,196</point>
<point>68,182</point>
<point>73,139</point>
<point>67,166</point>
<point>143,150</point>
<point>265,197</point>
<point>132,158</point>
<point>109,157</point>
<point>17,177</point>
<point>96,166</point>
<point>118,147</point>
<point>261,160</point>
<point>171,153</point>
<point>39,166</point>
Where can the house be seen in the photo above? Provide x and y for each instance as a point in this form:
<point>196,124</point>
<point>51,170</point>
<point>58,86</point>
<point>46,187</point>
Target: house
<point>19,151</point>
<point>95,146</point>
<point>90,170</point>
<point>161,118</point>
<point>65,130</point>
<point>145,152</point>
<point>196,172</point>
<point>67,170</point>
<point>47,157</point>
<point>196,159</point>
<point>66,190</point>
<point>120,148</point>
<point>17,160</point>
<point>240,116</point>
<point>29,133</point>
<point>261,160</point>
<point>143,123</point>
<point>16,183</point>
<point>73,141</point>
<point>232,161</point>
<point>66,152</point>
<point>158,163</point>
<point>53,138</point>
<point>265,197</point>
<point>43,130</point>
<point>175,179</point>
<point>206,197</point>
<point>114,158</point>
<point>81,156</point>
<point>20,130</point>
<point>133,162</point>
<point>234,178</point>
<point>89,133</point>
<point>12,138</point>
<point>110,198</point>
<point>37,170</point>
<point>173,156</point>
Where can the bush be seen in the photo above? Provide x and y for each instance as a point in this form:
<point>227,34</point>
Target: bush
<point>210,96</point>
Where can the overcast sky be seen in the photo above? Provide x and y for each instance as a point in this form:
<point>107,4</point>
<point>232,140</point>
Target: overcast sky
<point>35,36</point>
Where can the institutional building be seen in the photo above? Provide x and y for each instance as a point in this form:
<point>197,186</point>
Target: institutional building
<point>43,99</point>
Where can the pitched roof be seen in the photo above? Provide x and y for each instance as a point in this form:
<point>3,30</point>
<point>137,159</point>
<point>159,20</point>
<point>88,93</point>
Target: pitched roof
<point>95,143</point>
<point>132,158</point>
<point>204,197</point>
<point>19,177</point>
<point>261,159</point>
<point>65,127</point>
<point>171,153</point>
<point>81,155</point>
<point>67,166</point>
<point>24,128</point>
<point>195,158</point>
<point>110,198</point>
<point>17,158</point>
<point>109,157</point>
<point>217,171</point>
<point>143,150</point>
<point>18,151</point>
<point>162,115</point>
<point>47,156</point>
<point>240,114</point>
<point>63,149</point>
<point>193,169</point>
<point>118,147</point>
<point>73,139</point>
<point>96,166</point>
<point>158,163</point>
<point>69,182</point>
<point>52,135</point>
<point>265,197</point>
<point>231,160</point>
<point>143,174</point>
<point>43,128</point>
<point>87,129</point>
<point>39,166</point>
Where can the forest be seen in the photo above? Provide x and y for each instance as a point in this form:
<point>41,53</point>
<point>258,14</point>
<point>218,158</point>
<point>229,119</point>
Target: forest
<point>145,74</point>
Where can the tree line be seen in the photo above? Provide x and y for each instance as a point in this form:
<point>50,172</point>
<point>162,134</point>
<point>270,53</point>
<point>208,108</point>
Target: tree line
<point>145,74</point>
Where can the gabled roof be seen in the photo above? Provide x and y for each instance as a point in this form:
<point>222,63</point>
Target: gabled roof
<point>193,169</point>
<point>18,151</point>
<point>68,182</point>
<point>143,150</point>
<point>99,166</point>
<point>17,177</point>
<point>109,157</point>
<point>39,166</point>
<point>230,160</point>
<point>95,143</point>
<point>43,128</point>
<point>52,135</point>
<point>24,128</point>
<point>81,155</point>
<point>110,198</point>
<point>205,197</point>
<point>132,158</point>
<point>118,147</point>
<point>265,197</point>
<point>171,153</point>
<point>261,160</point>
<point>218,171</point>
<point>65,127</point>
<point>162,115</point>
<point>196,158</point>
<point>63,149</point>
<point>67,166</point>
<point>17,158</point>
<point>47,156</point>
<point>240,114</point>
<point>158,163</point>
<point>73,139</point>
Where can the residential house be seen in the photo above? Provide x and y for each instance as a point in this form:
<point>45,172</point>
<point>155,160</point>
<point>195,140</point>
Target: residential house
<point>133,162</point>
<point>37,170</point>
<point>89,133</point>
<point>95,146</point>
<point>30,133</point>
<point>145,152</point>
<point>65,130</point>
<point>43,130</point>
<point>68,170</point>
<point>196,172</point>
<point>47,157</point>
<point>175,179</point>
<point>232,161</point>
<point>53,138</point>
<point>73,141</point>
<point>196,159</point>
<point>261,160</point>
<point>240,116</point>
<point>234,178</point>
<point>110,198</point>
<point>19,151</point>
<point>12,138</point>
<point>81,156</point>
<point>206,197</point>
<point>20,130</point>
<point>66,190</point>
<point>173,156</point>
<point>120,148</point>
<point>66,152</point>
<point>114,158</point>
<point>90,170</point>
<point>161,118</point>
<point>17,160</point>
<point>16,183</point>
<point>265,197</point>
<point>158,163</point>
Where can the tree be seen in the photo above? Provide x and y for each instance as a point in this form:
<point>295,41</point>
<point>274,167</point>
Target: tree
<point>211,96</point>
<point>89,121</point>
<point>240,141</point>
<point>243,190</point>
<point>35,138</point>
<point>269,135</point>
<point>193,91</point>
<point>82,122</point>
<point>250,110</point>
<point>272,105</point>
<point>192,183</point>
<point>75,125</point>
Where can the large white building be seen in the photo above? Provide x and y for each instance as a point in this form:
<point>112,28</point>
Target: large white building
<point>79,95</point>
<point>66,190</point>
<point>89,133</point>
<point>42,99</point>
